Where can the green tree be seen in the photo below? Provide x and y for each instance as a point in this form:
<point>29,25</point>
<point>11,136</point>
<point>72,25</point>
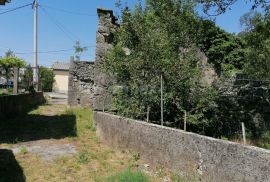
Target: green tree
<point>46,79</point>
<point>257,37</point>
<point>225,51</point>
<point>10,61</point>
<point>221,6</point>
<point>154,41</point>
<point>27,79</point>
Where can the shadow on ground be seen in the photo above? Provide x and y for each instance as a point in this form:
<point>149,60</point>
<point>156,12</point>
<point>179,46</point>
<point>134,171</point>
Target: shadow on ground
<point>37,127</point>
<point>10,170</point>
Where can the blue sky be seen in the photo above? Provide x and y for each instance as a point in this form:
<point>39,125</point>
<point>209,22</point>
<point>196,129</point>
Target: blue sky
<point>16,32</point>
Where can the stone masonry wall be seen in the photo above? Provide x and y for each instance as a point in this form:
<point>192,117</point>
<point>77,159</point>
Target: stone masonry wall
<point>81,84</point>
<point>88,84</point>
<point>210,159</point>
<point>106,29</point>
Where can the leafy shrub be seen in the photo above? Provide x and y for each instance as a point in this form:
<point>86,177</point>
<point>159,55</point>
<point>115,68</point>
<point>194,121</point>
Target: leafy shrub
<point>46,79</point>
<point>264,141</point>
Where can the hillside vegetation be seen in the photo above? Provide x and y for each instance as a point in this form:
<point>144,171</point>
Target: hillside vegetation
<point>162,40</point>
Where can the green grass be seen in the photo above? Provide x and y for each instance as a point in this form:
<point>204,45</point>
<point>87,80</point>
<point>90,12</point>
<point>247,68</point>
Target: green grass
<point>128,176</point>
<point>59,124</point>
<point>83,158</point>
<point>37,126</point>
<point>23,150</point>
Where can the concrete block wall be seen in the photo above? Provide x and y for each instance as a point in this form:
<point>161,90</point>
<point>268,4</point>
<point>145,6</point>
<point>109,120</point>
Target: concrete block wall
<point>208,158</point>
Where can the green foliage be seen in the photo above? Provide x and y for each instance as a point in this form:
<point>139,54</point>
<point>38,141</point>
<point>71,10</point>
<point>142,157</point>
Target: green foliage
<point>46,76</point>
<point>163,38</point>
<point>6,91</point>
<point>27,79</point>
<point>128,176</point>
<point>222,48</point>
<point>152,42</point>
<point>10,61</point>
<point>217,7</point>
<point>136,156</point>
<point>23,150</point>
<point>46,79</point>
<point>258,40</point>
<point>264,141</point>
<point>79,50</point>
<point>83,158</point>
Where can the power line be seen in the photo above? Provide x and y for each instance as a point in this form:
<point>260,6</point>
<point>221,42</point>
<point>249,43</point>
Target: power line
<point>68,11</point>
<point>45,52</point>
<point>51,51</point>
<point>60,27</point>
<point>14,9</point>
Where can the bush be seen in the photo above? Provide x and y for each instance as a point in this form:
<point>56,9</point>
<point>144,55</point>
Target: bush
<point>46,79</point>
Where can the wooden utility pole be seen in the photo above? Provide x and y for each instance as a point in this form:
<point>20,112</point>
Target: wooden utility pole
<point>148,111</point>
<point>185,121</point>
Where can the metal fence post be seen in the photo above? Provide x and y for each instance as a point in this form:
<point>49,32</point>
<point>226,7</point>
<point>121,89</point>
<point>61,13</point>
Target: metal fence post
<point>244,132</point>
<point>161,98</point>
<point>185,121</point>
<point>148,111</point>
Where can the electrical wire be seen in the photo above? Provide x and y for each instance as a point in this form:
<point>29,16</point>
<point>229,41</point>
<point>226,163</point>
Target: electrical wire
<point>14,9</point>
<point>60,27</point>
<point>51,52</point>
<point>46,52</point>
<point>68,11</point>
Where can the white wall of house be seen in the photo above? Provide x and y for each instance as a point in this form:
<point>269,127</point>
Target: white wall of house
<point>60,81</point>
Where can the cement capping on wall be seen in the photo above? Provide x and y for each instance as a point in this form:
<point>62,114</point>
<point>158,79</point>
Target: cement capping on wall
<point>184,152</point>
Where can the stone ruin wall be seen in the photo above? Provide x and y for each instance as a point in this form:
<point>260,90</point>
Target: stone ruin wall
<point>81,84</point>
<point>88,84</point>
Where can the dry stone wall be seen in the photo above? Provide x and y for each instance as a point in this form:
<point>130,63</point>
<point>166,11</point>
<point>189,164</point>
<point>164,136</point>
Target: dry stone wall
<point>81,82</point>
<point>210,159</point>
<point>88,84</point>
<point>106,29</point>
